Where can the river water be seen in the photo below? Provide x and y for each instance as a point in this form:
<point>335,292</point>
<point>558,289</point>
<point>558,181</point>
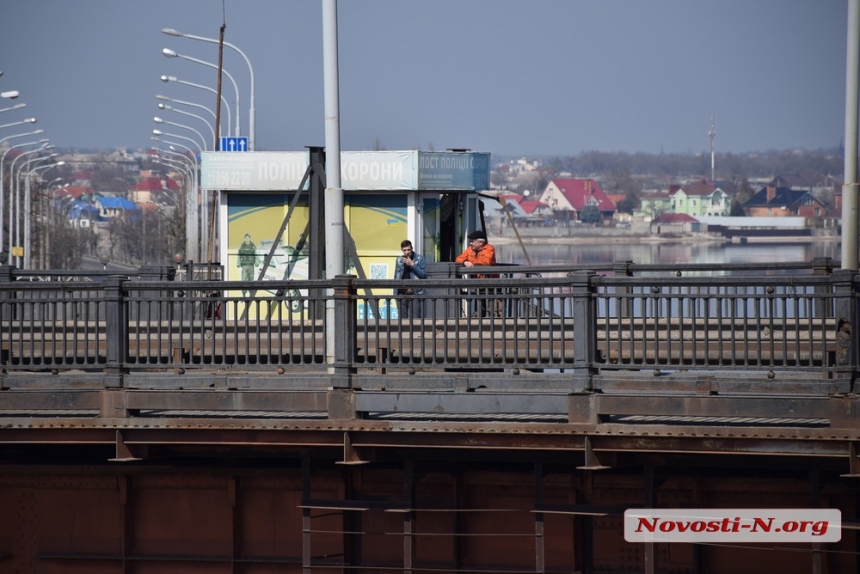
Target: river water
<point>588,253</point>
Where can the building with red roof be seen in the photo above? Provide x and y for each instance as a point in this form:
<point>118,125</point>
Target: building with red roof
<point>148,189</point>
<point>570,196</point>
<point>74,191</point>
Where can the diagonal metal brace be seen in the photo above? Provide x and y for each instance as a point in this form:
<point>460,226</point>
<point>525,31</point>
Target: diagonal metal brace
<point>594,461</point>
<point>124,452</point>
<point>353,455</point>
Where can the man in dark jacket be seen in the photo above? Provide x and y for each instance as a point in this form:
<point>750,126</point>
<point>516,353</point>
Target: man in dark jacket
<point>410,265</point>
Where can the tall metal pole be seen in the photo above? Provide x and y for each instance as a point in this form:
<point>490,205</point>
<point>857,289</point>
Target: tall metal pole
<point>711,135</point>
<point>334,193</point>
<point>849,185</point>
<point>210,223</point>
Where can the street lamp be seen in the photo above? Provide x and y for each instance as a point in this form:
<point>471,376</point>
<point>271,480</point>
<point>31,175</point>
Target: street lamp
<point>171,54</point>
<point>32,133</point>
<point>193,210</point>
<point>183,112</point>
<point>15,107</point>
<point>10,94</point>
<point>186,160</point>
<point>159,120</point>
<point>252,116</point>
<point>185,165</point>
<point>161,133</point>
<point>2,179</point>
<point>22,122</point>
<point>14,223</point>
<point>28,210</point>
<point>166,79</point>
<point>166,99</point>
<point>182,167</point>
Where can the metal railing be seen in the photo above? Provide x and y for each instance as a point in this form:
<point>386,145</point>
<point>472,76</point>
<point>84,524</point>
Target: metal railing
<point>553,320</point>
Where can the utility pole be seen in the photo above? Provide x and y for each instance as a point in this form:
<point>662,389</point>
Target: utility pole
<point>852,97</point>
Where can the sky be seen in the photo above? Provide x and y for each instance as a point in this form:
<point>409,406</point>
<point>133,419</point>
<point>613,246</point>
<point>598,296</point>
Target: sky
<point>536,78</point>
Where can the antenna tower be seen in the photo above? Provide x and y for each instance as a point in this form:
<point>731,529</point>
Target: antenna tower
<point>711,135</point>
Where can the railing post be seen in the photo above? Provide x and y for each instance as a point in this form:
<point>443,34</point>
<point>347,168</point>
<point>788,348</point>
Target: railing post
<point>116,329</point>
<point>584,328</point>
<point>7,297</point>
<point>821,266</point>
<point>345,316</point>
<point>625,305</point>
<point>442,303</point>
<point>845,308</point>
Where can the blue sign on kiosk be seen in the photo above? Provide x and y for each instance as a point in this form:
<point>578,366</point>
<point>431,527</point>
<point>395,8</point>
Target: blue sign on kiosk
<point>232,144</point>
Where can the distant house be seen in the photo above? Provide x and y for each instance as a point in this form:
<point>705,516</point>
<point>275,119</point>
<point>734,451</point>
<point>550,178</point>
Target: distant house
<point>110,207</point>
<point>537,212</point>
<point>653,203</point>
<point>568,197</point>
<point>675,223</point>
<point>82,214</point>
<point>773,201</point>
<point>696,199</point>
<point>74,192</point>
<point>699,198</point>
<point>148,188</point>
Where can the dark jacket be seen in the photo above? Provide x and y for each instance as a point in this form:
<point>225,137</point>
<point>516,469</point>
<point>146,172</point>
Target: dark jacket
<point>417,271</point>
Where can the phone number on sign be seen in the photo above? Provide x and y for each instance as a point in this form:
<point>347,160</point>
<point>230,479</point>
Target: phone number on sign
<point>220,179</point>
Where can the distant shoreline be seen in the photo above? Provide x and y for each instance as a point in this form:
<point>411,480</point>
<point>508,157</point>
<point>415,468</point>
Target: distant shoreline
<point>626,236</point>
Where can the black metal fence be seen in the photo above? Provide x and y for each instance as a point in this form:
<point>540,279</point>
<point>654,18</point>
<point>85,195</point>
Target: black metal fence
<point>548,319</point>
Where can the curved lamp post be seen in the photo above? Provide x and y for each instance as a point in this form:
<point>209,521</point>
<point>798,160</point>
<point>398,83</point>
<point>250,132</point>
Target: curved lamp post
<point>2,160</point>
<point>192,104</point>
<point>159,120</point>
<point>22,122</point>
<point>32,133</point>
<point>15,107</point>
<point>28,209</point>
<point>192,206</point>
<point>166,79</point>
<point>168,53</point>
<point>14,225</point>
<point>186,161</point>
<point>161,133</point>
<point>184,113</point>
<point>182,161</point>
<point>49,210</point>
<point>252,116</point>
<point>182,167</point>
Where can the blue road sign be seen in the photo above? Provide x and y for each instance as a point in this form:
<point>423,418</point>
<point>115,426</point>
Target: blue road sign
<point>233,144</point>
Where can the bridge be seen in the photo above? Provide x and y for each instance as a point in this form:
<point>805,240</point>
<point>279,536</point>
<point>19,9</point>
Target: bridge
<point>557,396</point>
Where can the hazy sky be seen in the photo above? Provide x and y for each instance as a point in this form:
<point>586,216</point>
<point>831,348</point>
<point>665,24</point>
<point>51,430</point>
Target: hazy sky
<point>506,76</point>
